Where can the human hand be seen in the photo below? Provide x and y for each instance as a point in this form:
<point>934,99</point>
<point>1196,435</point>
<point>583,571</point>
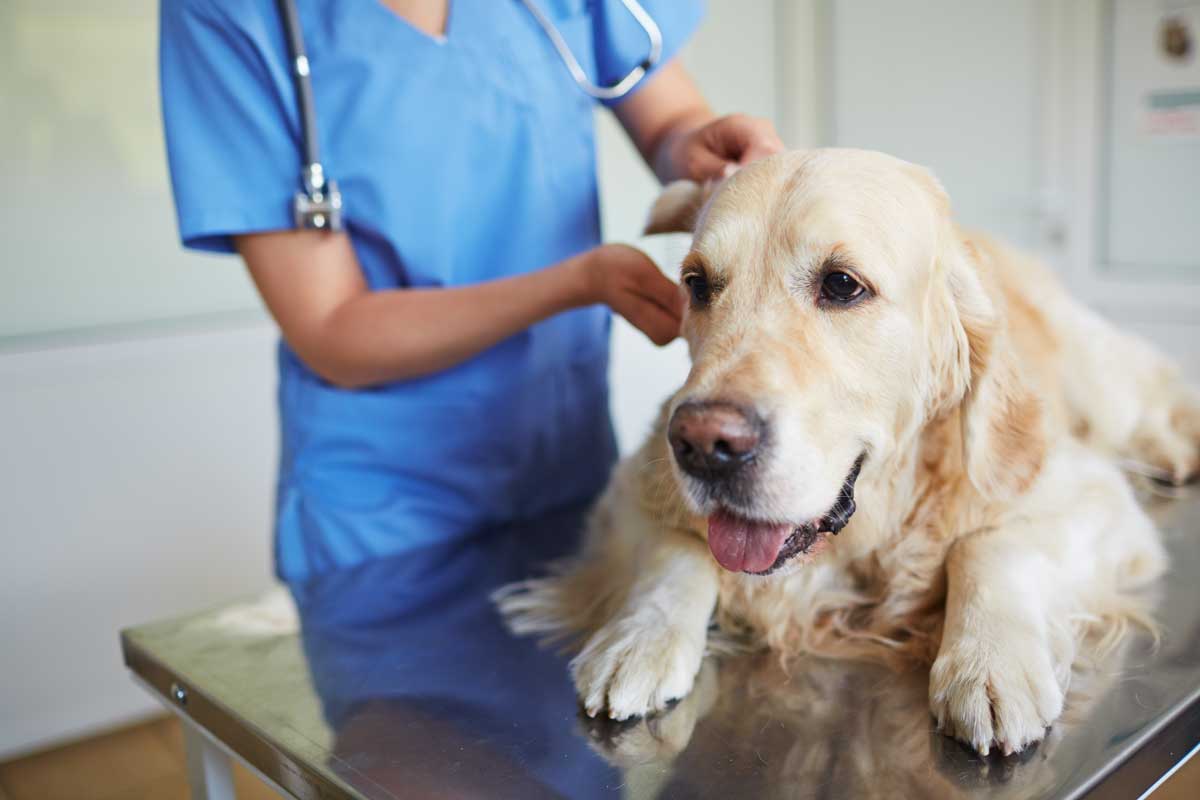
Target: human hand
<point>627,281</point>
<point>718,149</point>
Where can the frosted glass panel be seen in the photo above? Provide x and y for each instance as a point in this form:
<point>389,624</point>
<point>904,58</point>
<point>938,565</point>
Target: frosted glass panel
<point>1151,209</point>
<point>87,225</point>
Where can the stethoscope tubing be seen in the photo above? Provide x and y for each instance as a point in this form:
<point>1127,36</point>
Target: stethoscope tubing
<point>621,87</point>
<point>319,203</point>
<point>299,69</point>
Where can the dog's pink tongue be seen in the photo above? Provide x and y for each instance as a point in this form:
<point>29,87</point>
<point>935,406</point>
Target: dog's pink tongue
<point>742,545</point>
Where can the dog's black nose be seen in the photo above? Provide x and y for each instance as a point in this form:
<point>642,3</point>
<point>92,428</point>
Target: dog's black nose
<point>713,440</point>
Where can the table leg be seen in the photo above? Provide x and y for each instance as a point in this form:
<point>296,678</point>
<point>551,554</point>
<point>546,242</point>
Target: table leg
<point>210,772</point>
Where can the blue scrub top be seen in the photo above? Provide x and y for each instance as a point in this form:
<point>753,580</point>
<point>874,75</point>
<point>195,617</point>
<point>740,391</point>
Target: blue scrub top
<point>460,160</point>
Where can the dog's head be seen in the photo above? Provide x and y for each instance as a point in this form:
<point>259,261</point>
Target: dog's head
<point>834,309</point>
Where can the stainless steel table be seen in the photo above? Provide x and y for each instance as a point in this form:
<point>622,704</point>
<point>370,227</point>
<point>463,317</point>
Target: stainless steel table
<point>396,679</point>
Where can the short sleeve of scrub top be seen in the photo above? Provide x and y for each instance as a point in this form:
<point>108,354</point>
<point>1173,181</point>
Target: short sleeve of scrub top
<point>461,159</point>
<point>230,124</point>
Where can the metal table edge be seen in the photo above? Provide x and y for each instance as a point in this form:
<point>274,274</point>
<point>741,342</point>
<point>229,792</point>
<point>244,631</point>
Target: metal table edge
<point>276,763</point>
<point>1141,768</point>
<point>1148,760</point>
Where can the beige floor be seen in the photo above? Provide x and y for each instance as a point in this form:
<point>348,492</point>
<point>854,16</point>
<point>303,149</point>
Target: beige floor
<point>145,762</point>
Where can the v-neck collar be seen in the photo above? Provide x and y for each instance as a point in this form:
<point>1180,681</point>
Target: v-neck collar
<point>439,40</point>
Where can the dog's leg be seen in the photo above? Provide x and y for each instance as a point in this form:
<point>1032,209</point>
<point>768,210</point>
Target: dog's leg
<point>996,678</point>
<point>1066,556</point>
<point>1128,398</point>
<point>1121,395</point>
<point>648,654</point>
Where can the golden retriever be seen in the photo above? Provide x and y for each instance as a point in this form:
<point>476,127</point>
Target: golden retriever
<point>898,441</point>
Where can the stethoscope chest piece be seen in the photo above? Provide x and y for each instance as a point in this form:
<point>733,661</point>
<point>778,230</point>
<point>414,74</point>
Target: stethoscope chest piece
<point>319,206</point>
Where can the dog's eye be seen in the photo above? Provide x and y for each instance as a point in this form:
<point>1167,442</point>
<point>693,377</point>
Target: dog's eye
<point>698,287</point>
<point>841,288</point>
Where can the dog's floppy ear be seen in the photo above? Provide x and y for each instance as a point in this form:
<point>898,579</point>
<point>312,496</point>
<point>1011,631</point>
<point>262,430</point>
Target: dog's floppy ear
<point>678,207</point>
<point>1004,438</point>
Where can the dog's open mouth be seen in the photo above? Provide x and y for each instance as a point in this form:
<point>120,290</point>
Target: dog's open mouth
<point>760,547</point>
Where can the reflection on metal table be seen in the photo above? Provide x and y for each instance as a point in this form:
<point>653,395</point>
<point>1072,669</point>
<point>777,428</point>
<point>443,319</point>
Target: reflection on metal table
<point>397,679</point>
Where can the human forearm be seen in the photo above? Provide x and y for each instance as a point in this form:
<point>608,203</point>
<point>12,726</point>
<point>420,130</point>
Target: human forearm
<point>660,114</point>
<point>354,337</point>
<point>670,158</point>
<point>382,336</point>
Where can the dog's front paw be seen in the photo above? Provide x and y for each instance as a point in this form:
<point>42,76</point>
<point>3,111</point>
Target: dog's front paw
<point>634,666</point>
<point>1168,437</point>
<point>1004,694</point>
<point>656,738</point>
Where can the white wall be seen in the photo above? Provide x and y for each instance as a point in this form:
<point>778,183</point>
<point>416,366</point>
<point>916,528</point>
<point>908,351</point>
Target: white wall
<point>136,461</point>
<point>81,140</point>
<point>951,84</point>
<point>136,479</point>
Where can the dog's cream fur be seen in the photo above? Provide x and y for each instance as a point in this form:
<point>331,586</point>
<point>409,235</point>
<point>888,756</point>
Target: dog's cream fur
<point>993,530</point>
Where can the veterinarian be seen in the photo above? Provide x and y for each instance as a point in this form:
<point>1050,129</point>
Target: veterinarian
<point>437,274</point>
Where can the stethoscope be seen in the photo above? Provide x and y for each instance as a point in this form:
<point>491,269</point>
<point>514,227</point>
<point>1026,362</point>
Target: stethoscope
<point>318,204</point>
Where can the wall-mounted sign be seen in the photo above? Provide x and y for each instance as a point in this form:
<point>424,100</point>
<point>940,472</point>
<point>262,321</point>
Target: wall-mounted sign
<point>1157,44</point>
